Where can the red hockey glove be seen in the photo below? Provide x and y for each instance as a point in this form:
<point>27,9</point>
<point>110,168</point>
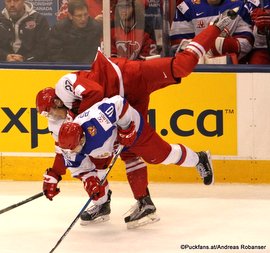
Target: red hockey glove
<point>126,137</point>
<point>50,182</point>
<point>261,18</point>
<point>93,187</point>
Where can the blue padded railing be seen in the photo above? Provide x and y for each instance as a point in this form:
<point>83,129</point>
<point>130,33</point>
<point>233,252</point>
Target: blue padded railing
<point>241,68</point>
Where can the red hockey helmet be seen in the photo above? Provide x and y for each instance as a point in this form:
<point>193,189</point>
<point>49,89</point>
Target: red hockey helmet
<point>45,100</point>
<point>70,135</point>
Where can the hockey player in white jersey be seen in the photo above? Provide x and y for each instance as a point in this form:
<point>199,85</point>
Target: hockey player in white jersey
<point>95,132</point>
<point>193,16</point>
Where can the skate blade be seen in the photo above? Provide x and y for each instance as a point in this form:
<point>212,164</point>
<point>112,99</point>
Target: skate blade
<point>95,221</point>
<point>149,219</point>
<point>211,164</point>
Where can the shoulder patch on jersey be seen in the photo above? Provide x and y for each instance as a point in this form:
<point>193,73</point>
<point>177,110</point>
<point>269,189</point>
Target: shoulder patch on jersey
<point>92,130</point>
<point>182,7</point>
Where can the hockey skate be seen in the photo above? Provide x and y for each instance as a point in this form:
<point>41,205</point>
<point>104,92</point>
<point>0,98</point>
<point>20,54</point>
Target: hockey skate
<point>97,213</point>
<point>226,18</point>
<point>143,213</point>
<point>205,167</point>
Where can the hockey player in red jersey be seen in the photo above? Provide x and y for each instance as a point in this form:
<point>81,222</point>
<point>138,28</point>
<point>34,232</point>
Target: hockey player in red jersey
<point>133,80</point>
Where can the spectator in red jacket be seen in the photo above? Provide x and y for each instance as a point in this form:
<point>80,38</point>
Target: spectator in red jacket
<point>131,37</point>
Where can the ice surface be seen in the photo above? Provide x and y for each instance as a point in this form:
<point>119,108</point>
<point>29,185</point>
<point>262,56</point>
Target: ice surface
<point>191,214</point>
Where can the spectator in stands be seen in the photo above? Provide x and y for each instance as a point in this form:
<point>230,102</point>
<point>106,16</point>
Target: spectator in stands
<point>131,37</point>
<point>191,17</point>
<point>23,33</point>
<point>77,37</point>
<point>260,53</point>
<point>153,14</point>
<point>153,18</point>
<point>94,9</point>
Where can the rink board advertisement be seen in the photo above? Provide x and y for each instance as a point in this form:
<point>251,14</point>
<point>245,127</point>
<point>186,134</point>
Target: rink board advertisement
<point>22,129</point>
<point>193,112</point>
<point>224,112</point>
<point>198,113</point>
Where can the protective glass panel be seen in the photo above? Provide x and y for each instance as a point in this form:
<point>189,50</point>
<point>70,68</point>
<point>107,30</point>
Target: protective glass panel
<point>71,31</point>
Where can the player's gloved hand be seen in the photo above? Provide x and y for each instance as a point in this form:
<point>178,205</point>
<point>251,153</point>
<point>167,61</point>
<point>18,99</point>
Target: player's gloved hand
<point>126,137</point>
<point>226,18</point>
<point>93,187</point>
<point>261,18</point>
<point>50,182</point>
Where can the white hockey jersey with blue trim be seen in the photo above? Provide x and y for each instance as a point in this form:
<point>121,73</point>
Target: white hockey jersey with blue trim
<point>193,16</point>
<point>99,125</point>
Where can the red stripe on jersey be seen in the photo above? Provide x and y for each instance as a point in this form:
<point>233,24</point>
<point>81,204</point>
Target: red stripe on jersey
<point>184,155</point>
<point>124,110</point>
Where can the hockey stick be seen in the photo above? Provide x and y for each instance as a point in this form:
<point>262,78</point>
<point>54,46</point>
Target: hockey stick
<point>116,155</point>
<point>21,203</point>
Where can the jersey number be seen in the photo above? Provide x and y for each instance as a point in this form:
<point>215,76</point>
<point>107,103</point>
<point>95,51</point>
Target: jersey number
<point>109,111</point>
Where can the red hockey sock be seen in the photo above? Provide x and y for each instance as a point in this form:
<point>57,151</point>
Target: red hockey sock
<point>184,62</point>
<point>206,38</point>
<point>138,182</point>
